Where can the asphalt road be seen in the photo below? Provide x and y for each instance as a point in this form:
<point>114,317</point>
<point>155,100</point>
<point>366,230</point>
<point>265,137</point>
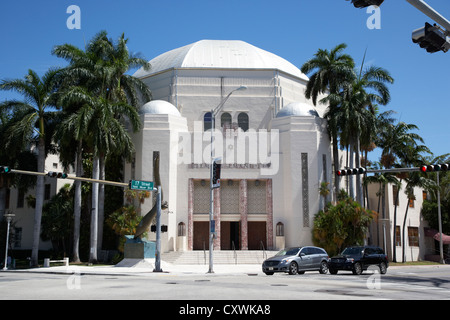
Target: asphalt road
<point>412,283</point>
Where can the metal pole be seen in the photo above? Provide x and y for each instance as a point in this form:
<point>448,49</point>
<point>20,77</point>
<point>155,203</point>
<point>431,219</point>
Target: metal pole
<point>8,219</point>
<point>431,13</point>
<point>112,183</point>
<point>441,244</point>
<point>211,195</point>
<point>158,232</point>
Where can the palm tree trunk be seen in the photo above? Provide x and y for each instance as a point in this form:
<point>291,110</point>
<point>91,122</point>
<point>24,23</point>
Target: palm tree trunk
<point>352,165</point>
<point>336,166</point>
<point>77,205</point>
<point>403,233</point>
<point>101,203</point>
<point>39,203</point>
<point>359,190</point>
<point>394,253</point>
<point>94,211</point>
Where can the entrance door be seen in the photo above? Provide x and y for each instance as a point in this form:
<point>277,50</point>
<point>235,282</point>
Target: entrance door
<point>229,235</point>
<point>256,235</point>
<point>201,235</point>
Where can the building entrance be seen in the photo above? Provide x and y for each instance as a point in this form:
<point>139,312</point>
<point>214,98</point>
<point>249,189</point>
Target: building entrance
<point>257,235</point>
<point>230,235</point>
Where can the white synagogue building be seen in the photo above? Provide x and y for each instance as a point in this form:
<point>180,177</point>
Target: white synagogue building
<point>273,143</point>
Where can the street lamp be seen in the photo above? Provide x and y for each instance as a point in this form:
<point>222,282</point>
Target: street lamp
<point>214,112</point>
<point>8,217</point>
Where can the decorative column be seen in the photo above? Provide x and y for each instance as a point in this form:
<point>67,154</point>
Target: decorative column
<point>190,226</point>
<point>269,210</point>
<point>217,218</point>
<point>243,210</point>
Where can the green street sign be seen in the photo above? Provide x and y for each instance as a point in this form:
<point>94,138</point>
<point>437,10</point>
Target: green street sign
<point>141,185</point>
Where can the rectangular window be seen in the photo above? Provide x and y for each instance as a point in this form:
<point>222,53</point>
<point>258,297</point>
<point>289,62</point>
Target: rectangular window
<point>47,191</point>
<point>17,237</point>
<point>20,198</point>
<point>413,236</point>
<point>398,237</point>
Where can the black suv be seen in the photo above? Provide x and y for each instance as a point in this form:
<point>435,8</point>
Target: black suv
<point>359,258</point>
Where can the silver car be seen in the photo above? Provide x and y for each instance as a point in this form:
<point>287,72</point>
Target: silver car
<point>297,260</point>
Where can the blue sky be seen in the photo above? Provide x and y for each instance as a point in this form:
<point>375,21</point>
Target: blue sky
<point>292,29</point>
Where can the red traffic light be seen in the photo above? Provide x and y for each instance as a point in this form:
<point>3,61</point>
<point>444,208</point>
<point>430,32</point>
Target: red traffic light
<point>349,172</point>
<point>435,167</point>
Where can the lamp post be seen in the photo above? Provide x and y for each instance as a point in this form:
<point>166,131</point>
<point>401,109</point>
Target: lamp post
<point>8,217</point>
<point>211,202</point>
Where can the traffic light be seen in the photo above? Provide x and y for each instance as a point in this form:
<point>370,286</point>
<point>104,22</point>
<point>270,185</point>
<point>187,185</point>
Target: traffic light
<point>431,38</point>
<point>59,175</point>
<point>366,3</point>
<point>216,175</point>
<point>435,167</point>
<point>5,169</point>
<point>350,172</point>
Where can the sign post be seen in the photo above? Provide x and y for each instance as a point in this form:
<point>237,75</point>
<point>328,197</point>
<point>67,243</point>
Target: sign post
<point>141,185</point>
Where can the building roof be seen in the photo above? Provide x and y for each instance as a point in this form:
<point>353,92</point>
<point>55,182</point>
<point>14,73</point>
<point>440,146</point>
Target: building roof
<point>220,54</point>
<point>297,109</point>
<point>159,107</point>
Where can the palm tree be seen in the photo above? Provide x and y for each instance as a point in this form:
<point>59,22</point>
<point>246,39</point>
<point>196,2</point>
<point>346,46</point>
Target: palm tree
<point>332,71</point>
<point>100,72</point>
<point>40,98</point>
<point>355,112</point>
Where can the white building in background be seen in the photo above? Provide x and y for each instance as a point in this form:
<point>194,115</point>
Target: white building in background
<point>16,203</point>
<point>273,143</point>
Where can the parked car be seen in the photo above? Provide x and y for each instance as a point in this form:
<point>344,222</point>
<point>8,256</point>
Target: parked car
<point>297,260</point>
<point>359,258</point>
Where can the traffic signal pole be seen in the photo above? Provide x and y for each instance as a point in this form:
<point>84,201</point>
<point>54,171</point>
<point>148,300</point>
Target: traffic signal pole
<point>112,183</point>
<point>431,13</point>
<point>429,168</point>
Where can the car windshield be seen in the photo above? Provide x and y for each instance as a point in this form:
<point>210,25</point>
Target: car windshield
<point>352,251</point>
<point>288,252</point>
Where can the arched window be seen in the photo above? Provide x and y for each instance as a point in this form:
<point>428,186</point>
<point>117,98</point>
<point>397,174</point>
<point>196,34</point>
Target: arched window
<point>280,229</point>
<point>225,120</point>
<point>181,229</point>
<point>207,121</point>
<point>243,121</point>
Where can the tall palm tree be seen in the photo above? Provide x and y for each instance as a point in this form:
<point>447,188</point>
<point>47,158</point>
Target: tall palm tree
<point>40,102</point>
<point>332,70</point>
<point>355,112</point>
<point>100,71</point>
<point>393,140</point>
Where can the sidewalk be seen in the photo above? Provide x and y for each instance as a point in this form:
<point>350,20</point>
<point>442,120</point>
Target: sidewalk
<point>146,267</point>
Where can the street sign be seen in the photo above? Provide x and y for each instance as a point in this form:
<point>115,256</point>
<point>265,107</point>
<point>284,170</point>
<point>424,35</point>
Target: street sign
<point>141,185</point>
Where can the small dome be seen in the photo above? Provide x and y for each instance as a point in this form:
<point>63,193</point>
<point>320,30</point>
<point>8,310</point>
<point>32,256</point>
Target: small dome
<point>297,109</point>
<point>159,107</point>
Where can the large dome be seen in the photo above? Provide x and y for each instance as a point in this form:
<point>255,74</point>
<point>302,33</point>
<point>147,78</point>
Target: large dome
<point>221,54</point>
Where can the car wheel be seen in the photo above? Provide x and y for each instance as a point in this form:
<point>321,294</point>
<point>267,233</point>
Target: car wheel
<point>323,267</point>
<point>357,268</point>
<point>333,271</point>
<point>293,268</point>
<point>269,273</point>
<point>383,268</point>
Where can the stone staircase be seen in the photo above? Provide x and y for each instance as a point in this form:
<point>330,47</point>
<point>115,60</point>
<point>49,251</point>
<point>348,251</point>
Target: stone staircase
<point>219,257</point>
